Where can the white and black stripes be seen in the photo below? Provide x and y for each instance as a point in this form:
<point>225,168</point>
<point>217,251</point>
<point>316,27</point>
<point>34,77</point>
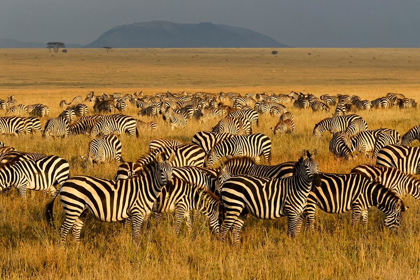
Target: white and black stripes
<point>406,159</point>
<point>411,135</point>
<point>339,193</point>
<point>267,198</point>
<point>12,125</point>
<point>253,145</point>
<point>57,127</point>
<point>112,201</point>
<point>207,140</point>
<point>115,124</point>
<point>351,123</point>
<point>103,149</point>
<point>41,174</point>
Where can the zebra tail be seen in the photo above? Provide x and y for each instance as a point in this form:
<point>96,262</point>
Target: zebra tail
<point>49,211</point>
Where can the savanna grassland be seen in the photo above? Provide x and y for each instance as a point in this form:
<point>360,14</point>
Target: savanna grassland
<point>29,248</point>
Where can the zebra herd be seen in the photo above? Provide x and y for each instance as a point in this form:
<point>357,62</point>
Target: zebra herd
<point>219,173</point>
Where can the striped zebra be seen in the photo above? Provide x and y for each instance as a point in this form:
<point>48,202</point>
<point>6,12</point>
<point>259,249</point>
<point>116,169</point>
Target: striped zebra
<point>11,156</point>
<point>340,110</point>
<point>103,149</point>
<point>363,105</point>
<point>121,105</point>
<point>340,123</point>
<point>38,110</point>
<point>115,124</point>
<point>339,193</point>
<point>184,155</point>
<point>282,127</point>
<point>406,159</point>
<point>268,198</point>
<point>319,106</point>
<point>392,178</point>
<point>156,144</point>
<point>233,125</point>
<point>411,135</point>
<point>84,125</point>
<point>141,126</point>
<point>17,110</point>
<point>112,201</point>
<point>250,114</point>
<point>374,140</point>
<point>37,175</point>
<point>174,119</point>
<point>80,110</point>
<point>381,103</point>
<point>207,140</point>
<point>12,125</point>
<point>56,127</point>
<point>32,125</point>
<point>253,145</point>
<point>69,115</point>
<point>340,146</point>
<point>328,99</point>
<point>183,197</point>
<point>356,126</point>
<point>286,116</point>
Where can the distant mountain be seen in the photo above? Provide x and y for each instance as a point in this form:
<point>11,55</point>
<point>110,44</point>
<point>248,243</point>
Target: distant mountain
<point>164,34</point>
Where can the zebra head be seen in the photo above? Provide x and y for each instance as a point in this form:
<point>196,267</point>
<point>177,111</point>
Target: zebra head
<point>306,167</point>
<point>164,168</point>
<point>394,210</point>
<point>223,174</point>
<point>318,130</point>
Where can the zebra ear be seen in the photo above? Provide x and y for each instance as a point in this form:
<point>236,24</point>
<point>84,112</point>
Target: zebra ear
<point>304,153</point>
<point>159,158</point>
<point>171,157</point>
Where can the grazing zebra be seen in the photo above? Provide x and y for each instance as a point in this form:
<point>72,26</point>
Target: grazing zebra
<point>69,115</point>
<point>407,103</point>
<point>80,109</point>
<point>381,103</point>
<point>112,201</point>
<point>233,125</point>
<point>32,125</point>
<point>38,110</point>
<point>174,119</point>
<point>115,124</point>
<point>103,149</point>
<point>84,125</point>
<point>286,126</point>
<point>12,125</point>
<point>411,135</point>
<point>392,178</point>
<point>57,127</point>
<point>363,105</point>
<point>406,159</point>
<point>156,144</point>
<point>41,174</point>
<point>207,140</point>
<point>374,140</point>
<point>121,105</point>
<point>268,198</point>
<point>250,114</point>
<point>340,146</point>
<point>340,123</point>
<point>17,110</point>
<point>328,99</point>
<point>319,106</point>
<point>141,126</point>
<point>340,110</point>
<point>286,116</point>
<point>356,126</point>
<point>253,145</point>
<point>182,197</point>
<point>339,193</point>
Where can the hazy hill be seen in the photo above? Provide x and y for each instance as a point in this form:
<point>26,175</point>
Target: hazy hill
<point>14,44</point>
<point>164,34</point>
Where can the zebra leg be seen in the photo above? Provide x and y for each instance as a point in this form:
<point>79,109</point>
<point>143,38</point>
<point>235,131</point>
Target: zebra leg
<point>228,222</point>
<point>236,230</point>
<point>292,220</point>
<point>137,220</point>
<point>356,213</point>
<point>158,216</point>
<point>299,223</point>
<point>180,214</point>
<point>77,227</point>
<point>67,225</point>
<point>365,216</point>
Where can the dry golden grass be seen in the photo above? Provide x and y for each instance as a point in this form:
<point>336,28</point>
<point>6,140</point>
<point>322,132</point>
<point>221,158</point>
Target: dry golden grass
<point>29,248</point>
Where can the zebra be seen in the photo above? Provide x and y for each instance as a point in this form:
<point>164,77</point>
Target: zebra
<point>121,105</point>
<point>319,106</point>
<point>207,140</point>
<point>253,145</point>
<point>115,124</point>
<point>233,125</point>
<point>411,135</point>
<point>69,115</point>
<point>141,126</point>
<point>340,146</point>
<point>250,114</point>
<point>268,198</point>
<point>56,127</point>
<point>103,149</point>
<point>110,200</point>
<point>340,110</point>
<point>286,116</point>
<point>174,119</point>
<point>183,197</point>
<point>356,126</point>
<point>38,110</point>
<point>363,105</point>
<point>406,159</point>
<point>340,123</point>
<point>381,103</point>
<point>328,99</point>
<point>392,178</point>
<point>80,109</point>
<point>17,110</point>
<point>11,156</point>
<point>339,193</point>
<point>374,140</point>
<point>286,126</point>
<point>159,143</point>
<point>247,166</point>
<point>12,125</point>
<point>184,155</point>
<point>84,125</point>
<point>41,174</point>
<point>406,103</point>
<point>32,125</point>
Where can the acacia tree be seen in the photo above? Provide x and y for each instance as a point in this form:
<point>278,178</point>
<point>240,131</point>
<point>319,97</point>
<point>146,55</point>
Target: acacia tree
<point>108,48</point>
<point>55,45</point>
